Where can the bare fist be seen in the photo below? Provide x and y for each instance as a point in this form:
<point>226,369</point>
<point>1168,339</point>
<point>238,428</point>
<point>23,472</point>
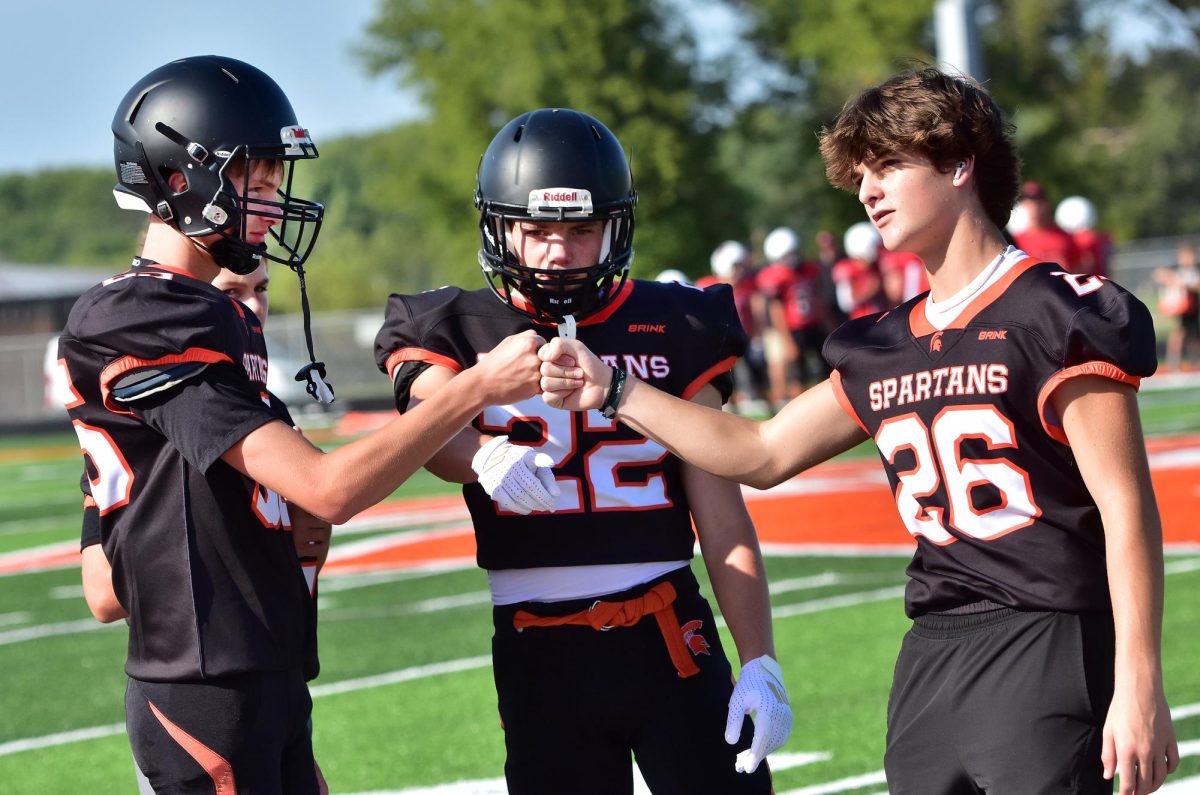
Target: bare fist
<point>573,377</point>
<point>510,372</point>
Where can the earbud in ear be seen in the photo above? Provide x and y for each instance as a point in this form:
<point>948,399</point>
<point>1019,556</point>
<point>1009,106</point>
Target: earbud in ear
<point>958,170</point>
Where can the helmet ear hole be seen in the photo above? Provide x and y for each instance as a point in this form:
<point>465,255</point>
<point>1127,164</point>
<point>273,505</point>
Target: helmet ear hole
<point>177,181</point>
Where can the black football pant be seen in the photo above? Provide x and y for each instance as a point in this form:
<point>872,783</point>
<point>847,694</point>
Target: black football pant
<point>246,734</point>
<point>578,703</point>
<point>1003,703</point>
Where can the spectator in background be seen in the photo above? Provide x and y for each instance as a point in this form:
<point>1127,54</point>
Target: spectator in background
<point>792,285</point>
<point>1179,298</point>
<point>1041,238</point>
<point>1077,217</point>
<point>859,287</point>
<point>732,264</point>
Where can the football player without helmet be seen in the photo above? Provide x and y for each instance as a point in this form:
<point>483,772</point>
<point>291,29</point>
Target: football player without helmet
<point>612,549</point>
<point>1028,494</point>
<point>191,464</point>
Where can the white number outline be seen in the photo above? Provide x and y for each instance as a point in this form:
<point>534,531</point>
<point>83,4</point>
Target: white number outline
<point>601,463</point>
<point>938,463</point>
<point>113,484</point>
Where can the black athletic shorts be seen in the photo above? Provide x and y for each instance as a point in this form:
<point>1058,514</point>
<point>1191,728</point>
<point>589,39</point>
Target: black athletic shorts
<point>578,703</point>
<point>1000,702</point>
<point>246,734</point>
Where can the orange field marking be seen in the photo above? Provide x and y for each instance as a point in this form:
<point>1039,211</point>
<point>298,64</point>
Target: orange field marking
<point>834,504</point>
<point>837,504</point>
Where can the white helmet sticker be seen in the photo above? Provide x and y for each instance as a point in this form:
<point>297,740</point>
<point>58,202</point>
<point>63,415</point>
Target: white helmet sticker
<point>560,202</point>
<point>295,140</point>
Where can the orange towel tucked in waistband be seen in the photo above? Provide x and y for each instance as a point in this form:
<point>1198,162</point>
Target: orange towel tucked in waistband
<point>603,616</point>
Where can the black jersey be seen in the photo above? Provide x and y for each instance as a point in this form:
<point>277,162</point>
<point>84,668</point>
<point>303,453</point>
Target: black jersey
<point>622,497</point>
<point>168,373</point>
<point>981,470</point>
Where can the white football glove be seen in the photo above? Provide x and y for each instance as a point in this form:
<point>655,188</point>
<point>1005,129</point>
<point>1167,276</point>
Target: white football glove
<point>759,690</point>
<point>517,478</point>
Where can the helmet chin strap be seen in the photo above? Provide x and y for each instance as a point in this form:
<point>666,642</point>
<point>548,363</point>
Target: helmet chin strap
<point>566,328</point>
<point>314,372</point>
<point>240,258</point>
<point>244,260</point>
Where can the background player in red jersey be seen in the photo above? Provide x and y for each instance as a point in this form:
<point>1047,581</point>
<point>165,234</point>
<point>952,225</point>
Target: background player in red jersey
<point>856,276</point>
<point>1076,216</point>
<point>582,524</point>
<point>187,457</point>
<point>754,374</point>
<point>1039,236</point>
<point>1003,405</point>
<point>794,286</point>
<point>903,276</point>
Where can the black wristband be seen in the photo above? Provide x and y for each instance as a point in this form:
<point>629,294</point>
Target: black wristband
<point>608,409</point>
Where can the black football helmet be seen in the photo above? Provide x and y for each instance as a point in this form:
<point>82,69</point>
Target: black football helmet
<point>555,164</point>
<point>198,116</point>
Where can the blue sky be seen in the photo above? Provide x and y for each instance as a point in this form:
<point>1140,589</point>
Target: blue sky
<point>67,63</point>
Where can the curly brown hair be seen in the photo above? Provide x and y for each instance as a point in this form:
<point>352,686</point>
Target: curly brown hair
<point>943,118</point>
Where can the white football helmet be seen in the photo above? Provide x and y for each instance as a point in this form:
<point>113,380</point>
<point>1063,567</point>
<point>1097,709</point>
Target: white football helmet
<point>862,241</point>
<point>780,243</point>
<point>726,257</point>
<point>1018,221</point>
<point>673,275</point>
<point>1075,213</point>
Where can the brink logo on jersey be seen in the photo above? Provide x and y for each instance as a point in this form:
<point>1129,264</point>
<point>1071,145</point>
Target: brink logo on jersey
<point>970,379</point>
<point>643,365</point>
<point>994,335</point>
<point>647,328</point>
<point>255,367</point>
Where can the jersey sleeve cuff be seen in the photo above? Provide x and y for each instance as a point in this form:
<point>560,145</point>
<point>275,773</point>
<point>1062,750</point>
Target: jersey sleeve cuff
<point>1051,422</point>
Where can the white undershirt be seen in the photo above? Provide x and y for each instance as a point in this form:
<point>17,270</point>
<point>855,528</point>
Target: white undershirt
<point>941,314</point>
<point>560,583</point>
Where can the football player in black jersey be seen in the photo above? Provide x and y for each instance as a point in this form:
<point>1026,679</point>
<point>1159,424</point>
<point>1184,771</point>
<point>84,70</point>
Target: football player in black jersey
<point>191,464</point>
<point>310,534</point>
<point>583,524</point>
<point>1003,405</point>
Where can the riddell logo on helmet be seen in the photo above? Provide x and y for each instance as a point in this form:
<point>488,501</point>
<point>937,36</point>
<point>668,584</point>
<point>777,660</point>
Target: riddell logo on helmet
<point>574,199</point>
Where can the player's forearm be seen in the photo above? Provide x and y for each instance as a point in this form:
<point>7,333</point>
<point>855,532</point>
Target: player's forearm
<point>716,441</point>
<point>98,587</point>
<point>1135,579</point>
<point>337,485</point>
<point>452,463</point>
<point>740,585</point>
<point>366,471</point>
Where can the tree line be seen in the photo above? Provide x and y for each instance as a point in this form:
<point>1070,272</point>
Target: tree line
<point>722,146</point>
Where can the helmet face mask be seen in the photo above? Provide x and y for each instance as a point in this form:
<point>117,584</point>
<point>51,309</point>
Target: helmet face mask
<point>211,118</point>
<point>555,165</point>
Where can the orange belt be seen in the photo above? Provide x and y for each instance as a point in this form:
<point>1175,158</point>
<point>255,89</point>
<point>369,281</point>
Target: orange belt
<point>603,616</point>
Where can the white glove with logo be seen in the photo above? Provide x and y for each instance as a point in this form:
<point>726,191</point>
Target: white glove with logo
<point>759,690</point>
<point>518,479</point>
